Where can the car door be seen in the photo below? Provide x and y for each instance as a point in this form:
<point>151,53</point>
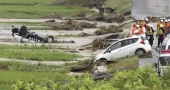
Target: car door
<point>113,50</point>
<point>127,47</point>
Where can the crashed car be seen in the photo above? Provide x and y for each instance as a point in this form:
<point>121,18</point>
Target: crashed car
<point>23,34</point>
<point>125,47</point>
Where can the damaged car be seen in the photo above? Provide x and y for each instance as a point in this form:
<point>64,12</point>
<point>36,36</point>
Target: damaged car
<point>23,34</point>
<point>125,47</point>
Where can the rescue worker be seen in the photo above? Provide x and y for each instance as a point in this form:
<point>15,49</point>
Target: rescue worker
<point>150,34</point>
<point>133,30</point>
<point>168,29</point>
<point>137,30</point>
<point>166,25</point>
<point>146,21</point>
<point>138,22</point>
<point>142,31</point>
<point>143,22</point>
<point>160,35</point>
<point>159,22</point>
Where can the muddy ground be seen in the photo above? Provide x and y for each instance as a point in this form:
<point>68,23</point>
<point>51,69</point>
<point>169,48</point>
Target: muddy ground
<point>7,38</point>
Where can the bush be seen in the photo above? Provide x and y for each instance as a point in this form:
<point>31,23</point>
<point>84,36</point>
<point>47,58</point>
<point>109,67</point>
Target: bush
<point>140,79</point>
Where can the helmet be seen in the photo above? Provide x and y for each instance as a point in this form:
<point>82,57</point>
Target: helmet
<point>161,20</point>
<point>137,26</point>
<point>146,19</point>
<point>166,20</point>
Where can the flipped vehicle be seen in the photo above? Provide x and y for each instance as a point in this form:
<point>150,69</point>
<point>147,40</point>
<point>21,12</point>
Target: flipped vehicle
<point>24,35</point>
<point>125,47</point>
<point>163,62</point>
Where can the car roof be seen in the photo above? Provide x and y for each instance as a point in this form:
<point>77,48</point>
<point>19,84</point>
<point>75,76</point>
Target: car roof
<point>129,38</point>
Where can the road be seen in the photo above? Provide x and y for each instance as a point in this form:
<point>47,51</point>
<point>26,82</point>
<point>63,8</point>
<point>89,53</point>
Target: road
<point>157,8</point>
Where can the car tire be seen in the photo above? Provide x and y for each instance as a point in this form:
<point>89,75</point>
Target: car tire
<point>140,52</point>
<point>50,39</point>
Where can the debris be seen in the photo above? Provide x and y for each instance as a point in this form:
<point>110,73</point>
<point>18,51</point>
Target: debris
<point>127,13</point>
<point>73,25</point>
<point>110,29</point>
<point>99,44</point>
<point>117,18</point>
<point>146,55</point>
<point>64,41</point>
<point>80,15</point>
<point>50,21</point>
<point>102,75</point>
<point>4,67</point>
<point>83,34</point>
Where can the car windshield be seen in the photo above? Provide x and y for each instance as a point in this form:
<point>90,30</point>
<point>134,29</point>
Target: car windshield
<point>164,61</point>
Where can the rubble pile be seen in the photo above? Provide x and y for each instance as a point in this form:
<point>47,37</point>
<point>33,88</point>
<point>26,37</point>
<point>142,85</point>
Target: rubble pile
<point>81,14</point>
<point>110,29</point>
<point>73,25</point>
<point>115,18</point>
<point>99,44</point>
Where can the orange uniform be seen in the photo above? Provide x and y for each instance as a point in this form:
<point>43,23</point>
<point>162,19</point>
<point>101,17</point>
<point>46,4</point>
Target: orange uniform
<point>133,30</point>
<point>141,31</point>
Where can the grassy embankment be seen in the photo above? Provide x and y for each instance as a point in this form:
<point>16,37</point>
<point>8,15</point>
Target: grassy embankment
<point>36,9</point>
<point>35,53</point>
<point>42,73</point>
<point>121,6</point>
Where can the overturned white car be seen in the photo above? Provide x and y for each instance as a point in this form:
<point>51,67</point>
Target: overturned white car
<point>24,35</point>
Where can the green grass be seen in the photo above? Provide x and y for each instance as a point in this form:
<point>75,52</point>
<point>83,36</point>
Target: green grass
<point>120,5</point>
<point>129,63</point>
<point>21,66</point>
<point>3,46</point>
<point>8,78</point>
<point>41,73</point>
<point>23,2</point>
<point>23,11</point>
<point>24,23</point>
<point>27,72</point>
<point>36,53</point>
<point>39,55</point>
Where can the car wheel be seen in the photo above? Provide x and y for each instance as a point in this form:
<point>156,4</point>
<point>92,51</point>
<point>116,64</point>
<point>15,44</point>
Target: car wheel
<point>140,52</point>
<point>50,39</point>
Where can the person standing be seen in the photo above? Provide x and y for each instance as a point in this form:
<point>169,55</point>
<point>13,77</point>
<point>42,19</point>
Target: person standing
<point>133,30</point>
<point>166,25</point>
<point>142,31</point>
<point>150,34</point>
<point>160,34</point>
